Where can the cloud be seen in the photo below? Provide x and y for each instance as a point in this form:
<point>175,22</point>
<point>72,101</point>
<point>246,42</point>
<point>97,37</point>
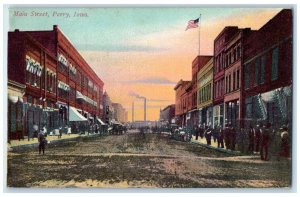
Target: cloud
<point>158,100</point>
<point>117,47</point>
<point>133,94</point>
<point>153,80</point>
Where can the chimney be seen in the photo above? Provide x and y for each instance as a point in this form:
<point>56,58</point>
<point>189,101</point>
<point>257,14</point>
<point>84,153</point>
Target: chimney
<point>132,111</point>
<point>17,30</point>
<point>145,110</point>
<point>55,27</point>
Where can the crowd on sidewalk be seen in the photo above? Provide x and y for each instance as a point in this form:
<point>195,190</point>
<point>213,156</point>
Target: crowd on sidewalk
<point>260,139</point>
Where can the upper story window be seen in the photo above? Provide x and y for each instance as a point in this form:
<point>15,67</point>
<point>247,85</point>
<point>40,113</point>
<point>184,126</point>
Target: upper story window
<point>33,72</point>
<point>247,76</point>
<point>275,64</point>
<point>51,81</point>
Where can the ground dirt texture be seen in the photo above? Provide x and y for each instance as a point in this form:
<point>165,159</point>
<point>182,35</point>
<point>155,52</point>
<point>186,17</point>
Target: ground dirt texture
<point>141,161</point>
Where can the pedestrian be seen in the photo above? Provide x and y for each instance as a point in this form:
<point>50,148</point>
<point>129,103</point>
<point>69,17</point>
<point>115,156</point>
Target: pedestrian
<point>215,134</point>
<point>196,132</point>
<point>258,137</point>
<point>251,139</point>
<point>208,135</point>
<point>220,137</point>
<point>60,132</point>
<point>285,142</point>
<point>232,137</point>
<point>35,131</point>
<point>201,131</point>
<point>42,142</point>
<point>226,136</point>
<point>264,150</point>
<point>44,129</point>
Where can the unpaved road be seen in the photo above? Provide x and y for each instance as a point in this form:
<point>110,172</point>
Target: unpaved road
<point>141,160</point>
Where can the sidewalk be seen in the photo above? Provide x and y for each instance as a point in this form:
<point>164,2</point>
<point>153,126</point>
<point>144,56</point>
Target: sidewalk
<point>214,145</point>
<point>51,139</point>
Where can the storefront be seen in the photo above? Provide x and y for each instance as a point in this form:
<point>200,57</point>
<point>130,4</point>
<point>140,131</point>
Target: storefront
<point>274,107</point>
<point>218,115</point>
<point>206,115</point>
<point>232,113</point>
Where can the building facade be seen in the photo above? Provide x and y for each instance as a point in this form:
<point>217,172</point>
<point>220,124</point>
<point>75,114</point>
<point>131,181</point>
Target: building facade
<point>119,113</point>
<point>205,92</point>
<point>221,58</point>
<point>167,114</point>
<point>57,84</point>
<point>267,76</point>
<point>181,102</point>
<point>233,70</point>
<point>108,109</point>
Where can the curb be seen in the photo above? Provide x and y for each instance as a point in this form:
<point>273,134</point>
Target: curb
<point>35,145</point>
<point>236,153</point>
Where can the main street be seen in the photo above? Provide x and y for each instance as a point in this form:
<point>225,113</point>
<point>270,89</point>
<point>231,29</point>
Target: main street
<point>141,160</point>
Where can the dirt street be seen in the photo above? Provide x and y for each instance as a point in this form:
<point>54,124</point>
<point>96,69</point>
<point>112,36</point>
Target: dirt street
<point>141,160</point>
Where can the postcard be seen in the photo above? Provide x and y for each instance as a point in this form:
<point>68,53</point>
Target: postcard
<point>149,97</point>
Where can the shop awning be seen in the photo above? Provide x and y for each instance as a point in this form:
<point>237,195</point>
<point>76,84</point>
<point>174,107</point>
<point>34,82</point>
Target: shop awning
<point>100,121</point>
<point>13,99</point>
<point>74,115</point>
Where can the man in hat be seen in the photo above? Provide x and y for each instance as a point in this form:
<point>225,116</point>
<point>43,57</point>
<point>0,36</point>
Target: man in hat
<point>251,139</point>
<point>220,137</point>
<point>226,136</point>
<point>42,142</point>
<point>264,150</point>
<point>258,137</point>
<point>285,142</point>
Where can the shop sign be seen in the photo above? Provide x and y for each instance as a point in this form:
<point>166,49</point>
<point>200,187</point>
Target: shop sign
<point>33,66</point>
<point>62,59</point>
<point>79,95</point>
<point>63,86</point>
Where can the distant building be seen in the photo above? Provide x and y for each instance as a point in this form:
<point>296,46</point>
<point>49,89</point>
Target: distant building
<point>205,92</point>
<point>167,114</point>
<point>108,108</point>
<point>181,102</point>
<point>119,113</point>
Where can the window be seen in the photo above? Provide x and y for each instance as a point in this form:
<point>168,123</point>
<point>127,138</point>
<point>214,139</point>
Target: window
<point>238,79</point>
<point>229,83</point>
<point>226,89</point>
<point>275,64</point>
<point>256,72</point>
<point>234,81</point>
<point>247,76</point>
<point>238,52</point>
<point>262,69</point>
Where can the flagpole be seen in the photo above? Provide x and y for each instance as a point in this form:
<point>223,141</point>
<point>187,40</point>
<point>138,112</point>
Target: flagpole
<point>199,33</point>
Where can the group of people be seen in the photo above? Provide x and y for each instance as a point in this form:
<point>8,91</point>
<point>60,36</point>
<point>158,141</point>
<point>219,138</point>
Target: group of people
<point>222,136</point>
<point>261,139</point>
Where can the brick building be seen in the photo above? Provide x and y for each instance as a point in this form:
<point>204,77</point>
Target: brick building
<point>233,69</point>
<point>220,59</point>
<point>205,92</point>
<point>182,102</point>
<point>167,114</point>
<point>267,76</point>
<point>119,113</point>
<point>52,83</point>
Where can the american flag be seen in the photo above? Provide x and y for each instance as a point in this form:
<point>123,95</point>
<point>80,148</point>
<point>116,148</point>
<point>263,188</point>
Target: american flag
<point>192,24</point>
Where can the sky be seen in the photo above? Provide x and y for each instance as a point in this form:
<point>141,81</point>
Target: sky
<point>140,51</point>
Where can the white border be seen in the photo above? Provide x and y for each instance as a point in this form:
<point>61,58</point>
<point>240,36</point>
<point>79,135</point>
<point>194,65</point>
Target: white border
<point>151,3</point>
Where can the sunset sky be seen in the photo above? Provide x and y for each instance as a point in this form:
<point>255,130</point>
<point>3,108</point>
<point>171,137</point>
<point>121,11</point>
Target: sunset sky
<point>142,51</point>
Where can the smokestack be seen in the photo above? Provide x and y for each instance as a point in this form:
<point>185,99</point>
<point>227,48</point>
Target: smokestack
<point>145,110</point>
<point>132,111</point>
